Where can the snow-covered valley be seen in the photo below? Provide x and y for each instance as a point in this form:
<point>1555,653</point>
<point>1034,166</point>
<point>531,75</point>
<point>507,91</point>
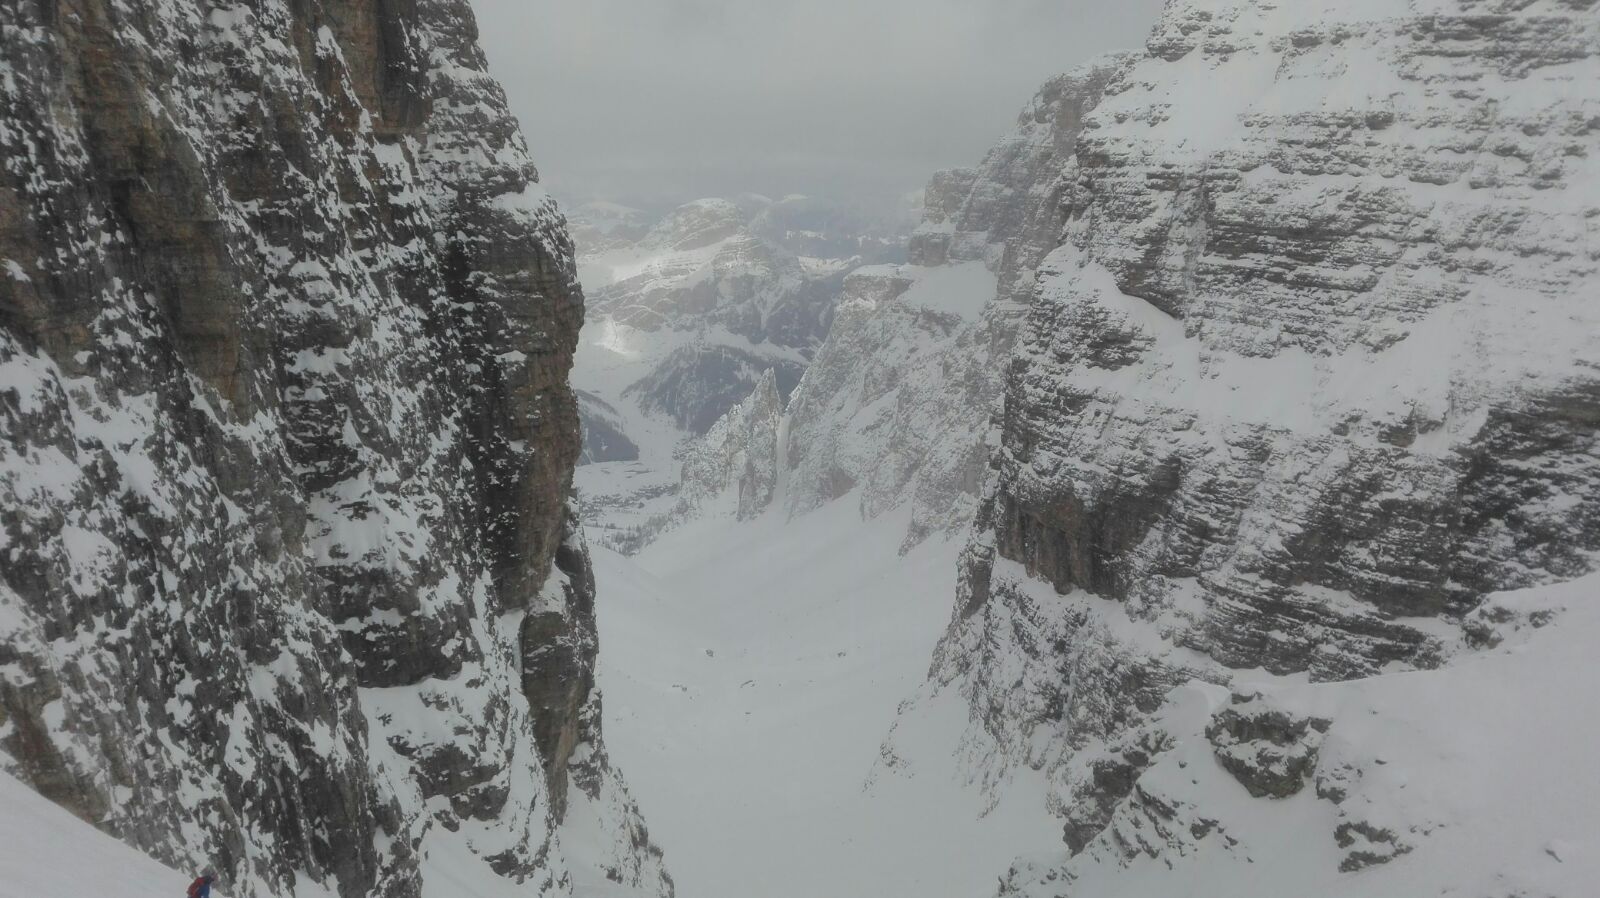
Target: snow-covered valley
<point>1197,495</point>
<point>751,670</point>
<point>1269,522</point>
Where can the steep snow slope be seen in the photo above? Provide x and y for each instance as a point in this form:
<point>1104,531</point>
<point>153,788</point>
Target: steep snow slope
<point>45,852</point>
<point>1475,779</point>
<point>749,670</point>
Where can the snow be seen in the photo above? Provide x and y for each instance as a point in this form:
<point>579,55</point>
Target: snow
<point>532,198</point>
<point>647,260</point>
<point>961,290</point>
<point>45,852</point>
<point>750,673</point>
<point>1481,768</point>
<point>752,670</point>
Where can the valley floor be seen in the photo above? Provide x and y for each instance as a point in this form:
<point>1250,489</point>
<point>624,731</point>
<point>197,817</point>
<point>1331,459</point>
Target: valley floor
<point>750,672</point>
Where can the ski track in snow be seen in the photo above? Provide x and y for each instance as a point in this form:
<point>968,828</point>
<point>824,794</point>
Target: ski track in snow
<point>750,672</point>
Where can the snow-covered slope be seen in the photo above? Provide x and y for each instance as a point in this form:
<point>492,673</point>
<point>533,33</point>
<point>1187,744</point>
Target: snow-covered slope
<point>45,852</point>
<point>1305,342</point>
<point>749,670</point>
<point>1311,375</point>
<point>288,581</point>
<point>1474,779</point>
<point>1289,324</point>
<point>755,657</point>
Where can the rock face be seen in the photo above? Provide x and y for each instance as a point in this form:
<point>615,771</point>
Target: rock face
<point>290,585</point>
<point>707,305</point>
<point>1310,373</point>
<point>896,404</point>
<point>685,322</point>
<point>739,457</point>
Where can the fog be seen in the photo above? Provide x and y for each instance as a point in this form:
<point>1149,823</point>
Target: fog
<point>655,102</point>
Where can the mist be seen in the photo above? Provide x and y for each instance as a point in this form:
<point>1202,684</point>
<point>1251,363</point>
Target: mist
<point>654,102</point>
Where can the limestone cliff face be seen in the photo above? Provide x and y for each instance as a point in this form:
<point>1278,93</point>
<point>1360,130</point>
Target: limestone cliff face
<point>897,404</point>
<point>289,584</point>
<point>706,305</point>
<point>738,460</point>
<point>1310,373</point>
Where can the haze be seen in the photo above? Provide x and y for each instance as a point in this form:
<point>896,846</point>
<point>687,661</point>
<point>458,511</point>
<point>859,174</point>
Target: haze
<point>654,102</point>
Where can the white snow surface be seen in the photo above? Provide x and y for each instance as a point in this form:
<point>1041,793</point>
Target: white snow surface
<point>45,852</point>
<point>750,672</point>
<point>961,290</point>
<point>1482,770</point>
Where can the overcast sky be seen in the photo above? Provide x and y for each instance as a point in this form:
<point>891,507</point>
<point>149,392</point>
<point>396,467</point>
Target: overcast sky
<point>662,101</point>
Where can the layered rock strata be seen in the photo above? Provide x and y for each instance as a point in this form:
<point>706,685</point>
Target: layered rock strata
<point>289,585</point>
<point>1310,374</point>
<point>896,405</point>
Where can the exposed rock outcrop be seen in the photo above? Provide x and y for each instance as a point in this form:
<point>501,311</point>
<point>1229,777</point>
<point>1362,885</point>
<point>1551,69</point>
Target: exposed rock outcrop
<point>699,308</point>
<point>738,459</point>
<point>1269,750</point>
<point>285,327</point>
<point>896,404</point>
<point>1310,374</point>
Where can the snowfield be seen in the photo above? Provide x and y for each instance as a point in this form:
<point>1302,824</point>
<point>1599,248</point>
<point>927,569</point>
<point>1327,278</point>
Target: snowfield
<point>46,852</point>
<point>1477,779</point>
<point>750,671</point>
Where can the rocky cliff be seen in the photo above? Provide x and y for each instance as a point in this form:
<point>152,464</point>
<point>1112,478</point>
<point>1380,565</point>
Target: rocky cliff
<point>290,585</point>
<point>706,305</point>
<point>684,323</point>
<point>895,408</point>
<point>738,460</point>
<point>1310,374</point>
<point>897,404</point>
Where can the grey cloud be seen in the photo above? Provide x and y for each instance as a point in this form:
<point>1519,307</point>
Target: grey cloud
<point>661,100</point>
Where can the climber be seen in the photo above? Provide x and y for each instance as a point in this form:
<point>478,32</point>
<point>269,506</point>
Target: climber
<point>201,887</point>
